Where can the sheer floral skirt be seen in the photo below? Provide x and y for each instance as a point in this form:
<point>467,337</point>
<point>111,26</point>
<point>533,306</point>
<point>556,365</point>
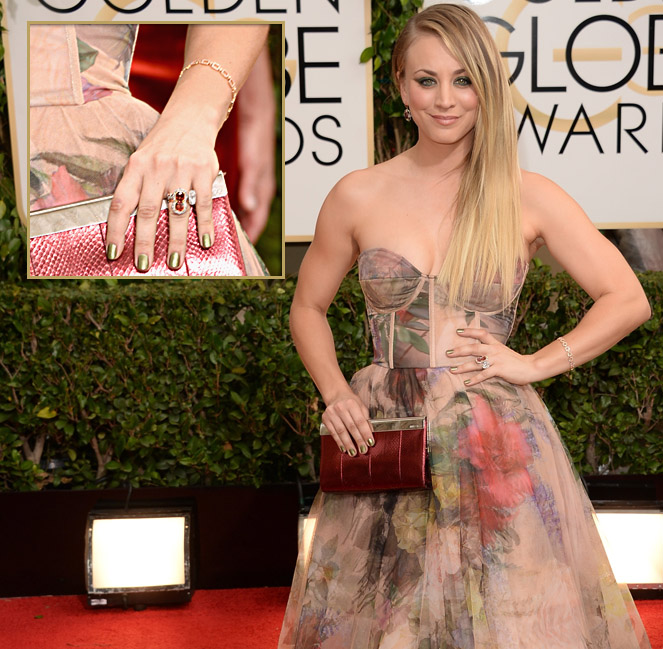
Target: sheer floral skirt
<point>502,553</point>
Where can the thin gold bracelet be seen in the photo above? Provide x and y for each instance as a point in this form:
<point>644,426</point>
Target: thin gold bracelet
<point>222,71</point>
<point>569,353</point>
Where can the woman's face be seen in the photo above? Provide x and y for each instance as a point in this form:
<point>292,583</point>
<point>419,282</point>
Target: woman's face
<point>438,91</point>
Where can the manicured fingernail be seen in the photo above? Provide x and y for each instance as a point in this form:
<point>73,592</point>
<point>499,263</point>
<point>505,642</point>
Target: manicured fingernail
<point>453,369</point>
<point>342,449</point>
<point>371,441</point>
<point>459,331</point>
<point>450,351</point>
<point>362,448</point>
<point>142,263</point>
<point>111,252</point>
<point>207,241</point>
<point>174,260</point>
<point>352,452</point>
<point>467,381</point>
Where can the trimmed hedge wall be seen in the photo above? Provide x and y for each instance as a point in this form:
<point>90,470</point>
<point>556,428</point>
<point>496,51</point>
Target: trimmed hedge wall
<point>197,382</point>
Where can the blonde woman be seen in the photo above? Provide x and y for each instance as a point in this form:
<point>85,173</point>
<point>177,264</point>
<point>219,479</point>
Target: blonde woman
<point>503,551</point>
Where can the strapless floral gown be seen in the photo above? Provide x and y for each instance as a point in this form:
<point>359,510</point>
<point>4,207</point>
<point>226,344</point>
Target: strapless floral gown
<point>503,552</point>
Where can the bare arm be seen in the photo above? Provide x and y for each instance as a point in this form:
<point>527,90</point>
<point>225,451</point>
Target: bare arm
<point>179,150</point>
<point>620,304</point>
<point>257,144</point>
<point>330,256</point>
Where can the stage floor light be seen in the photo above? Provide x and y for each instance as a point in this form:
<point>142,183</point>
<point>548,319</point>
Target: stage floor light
<point>633,539</point>
<point>139,556</point>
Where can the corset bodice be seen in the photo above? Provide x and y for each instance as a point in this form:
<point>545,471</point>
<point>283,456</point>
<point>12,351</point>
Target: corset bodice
<point>411,321</point>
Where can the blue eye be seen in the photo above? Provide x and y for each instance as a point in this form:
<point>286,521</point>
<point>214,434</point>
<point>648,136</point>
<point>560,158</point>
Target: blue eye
<point>426,82</point>
<point>463,81</point>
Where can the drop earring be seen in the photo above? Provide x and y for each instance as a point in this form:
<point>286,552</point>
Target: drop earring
<point>407,114</point>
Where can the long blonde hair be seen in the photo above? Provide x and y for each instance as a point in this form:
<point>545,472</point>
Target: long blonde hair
<point>486,241</point>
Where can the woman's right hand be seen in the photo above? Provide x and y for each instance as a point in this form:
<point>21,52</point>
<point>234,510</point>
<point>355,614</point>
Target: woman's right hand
<point>330,256</point>
<point>346,418</point>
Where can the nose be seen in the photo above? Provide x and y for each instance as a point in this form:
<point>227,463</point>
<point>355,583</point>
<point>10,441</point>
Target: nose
<point>445,95</point>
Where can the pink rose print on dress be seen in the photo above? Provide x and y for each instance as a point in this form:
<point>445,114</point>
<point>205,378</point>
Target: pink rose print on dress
<point>499,454</point>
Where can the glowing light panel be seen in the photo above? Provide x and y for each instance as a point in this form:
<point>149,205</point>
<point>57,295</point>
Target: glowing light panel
<point>138,552</point>
<point>634,543</point>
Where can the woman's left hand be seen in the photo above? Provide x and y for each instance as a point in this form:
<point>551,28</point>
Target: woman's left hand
<point>502,361</point>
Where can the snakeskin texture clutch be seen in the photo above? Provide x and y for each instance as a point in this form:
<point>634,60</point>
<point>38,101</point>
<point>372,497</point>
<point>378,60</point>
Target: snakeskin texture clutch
<point>399,459</point>
<point>70,241</point>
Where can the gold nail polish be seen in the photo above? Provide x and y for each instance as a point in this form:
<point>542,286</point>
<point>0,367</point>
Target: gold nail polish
<point>352,452</point>
<point>174,260</point>
<point>459,331</point>
<point>207,241</point>
<point>453,369</point>
<point>466,381</point>
<point>142,263</point>
<point>450,351</point>
<point>371,441</point>
<point>342,449</point>
<point>111,252</point>
<point>362,448</point>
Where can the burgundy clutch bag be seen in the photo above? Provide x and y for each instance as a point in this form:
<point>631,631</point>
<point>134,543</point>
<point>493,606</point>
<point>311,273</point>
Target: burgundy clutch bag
<point>399,459</point>
<point>70,241</point>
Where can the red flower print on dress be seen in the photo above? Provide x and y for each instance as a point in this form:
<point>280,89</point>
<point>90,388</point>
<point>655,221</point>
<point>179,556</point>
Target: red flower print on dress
<point>499,454</point>
<point>92,93</point>
<point>404,315</point>
<point>64,190</point>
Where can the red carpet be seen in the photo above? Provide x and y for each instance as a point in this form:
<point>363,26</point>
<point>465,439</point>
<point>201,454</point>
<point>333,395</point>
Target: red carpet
<point>215,619</point>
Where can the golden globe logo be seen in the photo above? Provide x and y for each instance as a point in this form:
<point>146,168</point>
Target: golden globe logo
<point>577,66</point>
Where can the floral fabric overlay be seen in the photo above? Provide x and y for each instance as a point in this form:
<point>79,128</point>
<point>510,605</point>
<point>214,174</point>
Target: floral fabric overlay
<point>503,552</point>
<point>84,123</point>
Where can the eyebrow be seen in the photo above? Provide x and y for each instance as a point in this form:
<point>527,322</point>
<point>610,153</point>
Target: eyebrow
<point>434,74</point>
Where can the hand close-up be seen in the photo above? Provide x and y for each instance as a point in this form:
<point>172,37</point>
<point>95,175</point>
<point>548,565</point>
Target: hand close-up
<point>492,359</point>
<point>170,158</point>
<point>347,421</point>
<point>177,159</point>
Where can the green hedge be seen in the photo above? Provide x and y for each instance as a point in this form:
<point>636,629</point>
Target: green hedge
<point>198,383</point>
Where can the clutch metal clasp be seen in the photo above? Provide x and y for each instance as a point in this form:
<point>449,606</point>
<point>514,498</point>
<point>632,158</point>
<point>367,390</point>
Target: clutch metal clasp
<point>394,423</point>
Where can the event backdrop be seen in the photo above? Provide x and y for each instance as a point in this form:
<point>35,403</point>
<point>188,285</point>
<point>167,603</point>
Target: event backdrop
<point>587,82</point>
<point>328,128</point>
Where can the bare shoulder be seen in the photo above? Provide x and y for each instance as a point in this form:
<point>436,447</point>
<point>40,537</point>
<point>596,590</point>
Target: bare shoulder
<point>572,239</point>
<point>537,190</point>
<point>546,205</point>
<point>354,195</point>
<point>353,187</point>
<point>363,184</point>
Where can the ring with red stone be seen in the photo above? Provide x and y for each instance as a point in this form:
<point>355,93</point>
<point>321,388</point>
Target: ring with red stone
<point>483,361</point>
<point>179,201</point>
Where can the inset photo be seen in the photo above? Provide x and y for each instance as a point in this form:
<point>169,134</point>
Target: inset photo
<point>156,149</point>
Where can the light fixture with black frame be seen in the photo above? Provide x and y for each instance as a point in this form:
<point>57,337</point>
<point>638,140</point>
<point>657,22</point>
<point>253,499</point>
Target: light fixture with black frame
<point>138,556</point>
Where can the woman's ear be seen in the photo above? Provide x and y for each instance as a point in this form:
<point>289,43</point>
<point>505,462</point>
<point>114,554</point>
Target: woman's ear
<point>402,88</point>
